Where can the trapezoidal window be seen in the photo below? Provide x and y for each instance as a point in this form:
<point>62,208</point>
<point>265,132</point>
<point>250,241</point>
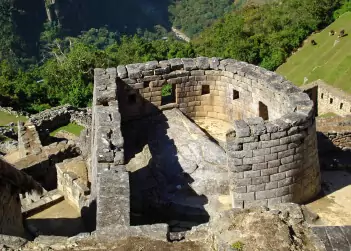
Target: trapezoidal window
<point>263,111</point>
<point>341,105</point>
<point>235,94</point>
<point>168,94</point>
<point>322,95</point>
<point>205,89</point>
<point>331,101</point>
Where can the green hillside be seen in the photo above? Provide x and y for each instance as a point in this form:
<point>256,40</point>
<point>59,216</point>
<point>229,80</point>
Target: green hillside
<point>328,60</point>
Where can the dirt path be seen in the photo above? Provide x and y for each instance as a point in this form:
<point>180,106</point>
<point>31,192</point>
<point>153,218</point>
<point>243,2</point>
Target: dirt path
<point>181,35</point>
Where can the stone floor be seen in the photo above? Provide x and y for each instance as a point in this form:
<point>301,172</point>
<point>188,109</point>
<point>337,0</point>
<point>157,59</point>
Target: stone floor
<point>61,219</point>
<point>334,238</point>
<point>215,127</point>
<point>334,205</point>
<point>173,161</point>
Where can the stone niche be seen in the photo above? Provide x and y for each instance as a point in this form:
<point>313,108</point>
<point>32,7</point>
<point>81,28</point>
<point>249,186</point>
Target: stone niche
<point>271,153</point>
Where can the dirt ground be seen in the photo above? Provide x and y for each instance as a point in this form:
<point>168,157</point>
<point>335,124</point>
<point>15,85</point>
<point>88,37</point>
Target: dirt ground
<point>12,157</point>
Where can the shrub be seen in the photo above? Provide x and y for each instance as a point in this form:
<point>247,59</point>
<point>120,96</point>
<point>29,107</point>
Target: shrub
<point>238,246</point>
<point>166,90</point>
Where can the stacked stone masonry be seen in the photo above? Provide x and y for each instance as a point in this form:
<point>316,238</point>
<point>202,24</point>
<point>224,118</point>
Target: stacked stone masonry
<point>110,180</point>
<point>72,181</point>
<point>56,117</point>
<point>328,99</point>
<point>271,153</point>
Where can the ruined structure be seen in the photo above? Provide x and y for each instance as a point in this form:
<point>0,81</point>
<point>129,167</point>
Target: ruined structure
<point>12,183</point>
<point>328,99</point>
<point>271,155</point>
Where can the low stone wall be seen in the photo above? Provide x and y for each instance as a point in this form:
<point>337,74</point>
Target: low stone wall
<point>56,117</point>
<point>328,99</point>
<point>71,184</point>
<point>41,165</point>
<point>8,131</point>
<point>8,146</point>
<point>28,140</point>
<point>334,134</point>
<point>341,140</point>
<point>13,112</point>
<point>43,202</point>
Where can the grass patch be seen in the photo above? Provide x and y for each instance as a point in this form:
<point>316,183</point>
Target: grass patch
<point>71,128</point>
<point>327,115</point>
<point>238,246</point>
<point>6,118</point>
<point>328,60</point>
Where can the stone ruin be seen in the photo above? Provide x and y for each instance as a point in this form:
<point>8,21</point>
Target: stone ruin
<point>151,164</point>
<point>203,151</point>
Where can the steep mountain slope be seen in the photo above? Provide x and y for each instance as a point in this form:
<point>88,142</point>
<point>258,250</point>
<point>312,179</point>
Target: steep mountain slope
<point>329,59</point>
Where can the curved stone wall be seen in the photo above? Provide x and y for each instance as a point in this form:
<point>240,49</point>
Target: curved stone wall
<point>272,154</point>
<point>235,89</point>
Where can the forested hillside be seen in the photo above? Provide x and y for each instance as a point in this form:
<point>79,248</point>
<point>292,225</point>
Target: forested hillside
<point>266,34</point>
<point>192,16</point>
<point>48,49</point>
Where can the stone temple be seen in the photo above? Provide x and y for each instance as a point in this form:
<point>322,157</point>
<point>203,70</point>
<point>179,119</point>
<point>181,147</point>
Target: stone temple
<point>154,159</point>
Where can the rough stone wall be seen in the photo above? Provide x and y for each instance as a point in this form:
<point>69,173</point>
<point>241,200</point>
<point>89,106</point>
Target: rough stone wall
<point>269,162</point>
<point>41,165</point>
<point>334,134</point>
<point>28,140</point>
<point>56,117</point>
<point>273,162</point>
<point>328,99</point>
<point>72,185</point>
<point>110,181</point>
<point>10,212</point>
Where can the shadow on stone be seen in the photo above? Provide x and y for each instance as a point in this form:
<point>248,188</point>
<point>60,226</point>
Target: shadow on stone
<point>160,188</point>
<point>67,227</point>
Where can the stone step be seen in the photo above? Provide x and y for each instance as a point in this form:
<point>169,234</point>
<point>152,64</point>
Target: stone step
<point>334,238</point>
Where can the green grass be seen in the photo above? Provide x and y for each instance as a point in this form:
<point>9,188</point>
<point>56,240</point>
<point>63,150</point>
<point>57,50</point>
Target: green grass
<point>166,90</point>
<point>326,61</point>
<point>71,128</point>
<point>327,115</point>
<point>238,246</point>
<point>6,118</point>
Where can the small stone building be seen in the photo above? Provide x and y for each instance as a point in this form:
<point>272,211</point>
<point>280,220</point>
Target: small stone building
<point>12,183</point>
